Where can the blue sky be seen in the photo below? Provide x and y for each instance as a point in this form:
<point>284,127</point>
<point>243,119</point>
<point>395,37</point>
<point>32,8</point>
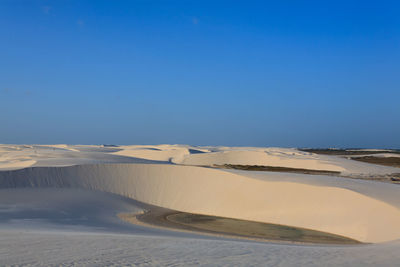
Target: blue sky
<point>260,73</point>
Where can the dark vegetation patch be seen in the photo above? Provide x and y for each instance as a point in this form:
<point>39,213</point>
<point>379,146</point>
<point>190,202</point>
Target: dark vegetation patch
<point>350,152</point>
<point>276,169</point>
<point>388,178</point>
<point>387,161</point>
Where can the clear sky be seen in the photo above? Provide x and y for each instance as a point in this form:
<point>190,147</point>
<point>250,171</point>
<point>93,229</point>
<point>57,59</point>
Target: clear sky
<point>260,73</point>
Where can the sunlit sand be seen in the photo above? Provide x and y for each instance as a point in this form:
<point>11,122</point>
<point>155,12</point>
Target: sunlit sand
<point>276,194</point>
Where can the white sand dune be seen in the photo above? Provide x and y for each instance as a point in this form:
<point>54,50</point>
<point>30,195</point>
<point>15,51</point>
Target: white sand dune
<point>12,157</point>
<point>259,158</point>
<point>278,157</point>
<point>11,163</point>
<point>21,156</point>
<point>67,227</point>
<point>363,210</point>
<point>160,153</point>
<point>66,155</point>
<point>207,191</point>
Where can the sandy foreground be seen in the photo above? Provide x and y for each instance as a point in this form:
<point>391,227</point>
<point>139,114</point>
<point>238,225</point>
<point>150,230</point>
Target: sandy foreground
<point>59,205</point>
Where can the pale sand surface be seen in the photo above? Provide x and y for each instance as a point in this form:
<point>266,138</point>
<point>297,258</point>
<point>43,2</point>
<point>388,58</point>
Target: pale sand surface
<point>332,209</point>
<point>65,155</point>
<point>362,210</point>
<point>35,231</point>
<point>279,157</point>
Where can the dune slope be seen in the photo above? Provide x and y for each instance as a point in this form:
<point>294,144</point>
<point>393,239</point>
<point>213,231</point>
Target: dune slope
<point>213,192</point>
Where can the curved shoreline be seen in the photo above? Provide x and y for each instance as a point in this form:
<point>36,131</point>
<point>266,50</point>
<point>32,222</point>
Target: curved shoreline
<point>232,228</point>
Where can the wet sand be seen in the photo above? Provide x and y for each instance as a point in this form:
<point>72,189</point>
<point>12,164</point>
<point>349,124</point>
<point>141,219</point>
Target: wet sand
<point>232,228</point>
